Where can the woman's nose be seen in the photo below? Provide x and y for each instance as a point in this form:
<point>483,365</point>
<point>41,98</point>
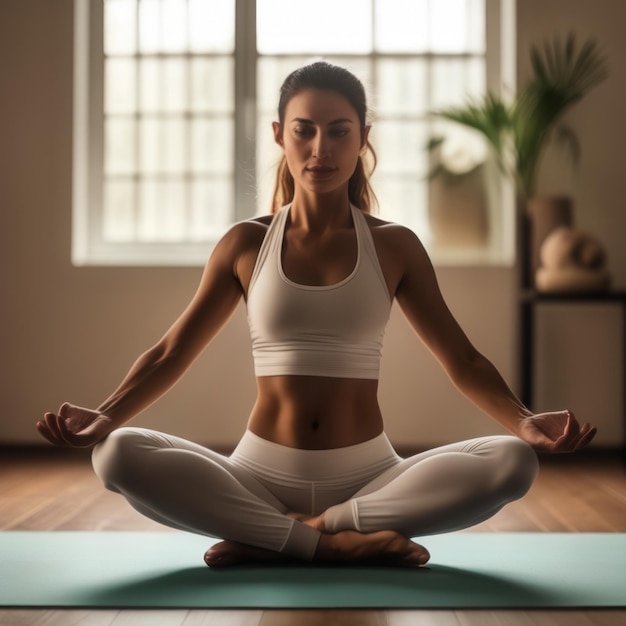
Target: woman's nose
<point>321,148</point>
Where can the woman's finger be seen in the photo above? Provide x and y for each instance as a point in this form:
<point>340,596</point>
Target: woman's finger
<point>71,438</point>
<point>64,432</point>
<point>587,433</point>
<point>45,432</point>
<point>571,432</point>
<point>51,423</point>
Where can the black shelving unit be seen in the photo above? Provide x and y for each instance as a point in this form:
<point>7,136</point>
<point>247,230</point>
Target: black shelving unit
<point>530,300</point>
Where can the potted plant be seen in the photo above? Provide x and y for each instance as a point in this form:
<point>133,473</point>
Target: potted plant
<point>459,190</point>
<point>518,131</point>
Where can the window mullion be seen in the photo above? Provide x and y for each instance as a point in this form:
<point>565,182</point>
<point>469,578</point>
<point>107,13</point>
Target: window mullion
<point>96,128</point>
<point>137,176</point>
<point>245,109</point>
<point>187,133</point>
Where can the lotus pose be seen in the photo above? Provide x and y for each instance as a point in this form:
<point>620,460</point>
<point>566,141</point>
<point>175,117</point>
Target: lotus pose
<point>314,477</point>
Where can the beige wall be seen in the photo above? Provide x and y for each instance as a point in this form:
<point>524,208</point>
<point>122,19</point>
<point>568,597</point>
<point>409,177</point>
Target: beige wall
<point>70,333</point>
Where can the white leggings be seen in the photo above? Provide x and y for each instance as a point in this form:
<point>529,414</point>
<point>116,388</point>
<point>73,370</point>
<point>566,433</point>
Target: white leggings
<point>365,487</point>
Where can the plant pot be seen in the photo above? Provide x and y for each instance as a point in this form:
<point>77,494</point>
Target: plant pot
<point>457,210</point>
<point>545,213</point>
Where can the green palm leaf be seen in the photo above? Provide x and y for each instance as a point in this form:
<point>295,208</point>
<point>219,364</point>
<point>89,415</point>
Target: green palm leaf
<point>562,75</point>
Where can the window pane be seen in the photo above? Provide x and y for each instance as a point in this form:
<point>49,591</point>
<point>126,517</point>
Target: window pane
<point>119,146</point>
<point>402,25</point>
<point>177,26</point>
<point>150,85</point>
<point>404,200</point>
<point>454,80</point>
<point>163,145</point>
<point>400,147</point>
<point>211,208</point>
<point>118,215</point>
<point>325,27</point>
<point>212,26</point>
<point>401,87</point>
<point>174,85</point>
<point>150,146</point>
<point>212,86</point>
<point>271,72</point>
<point>161,210</point>
<point>120,84</point>
<point>212,146</point>
<point>174,25</point>
<point>149,25</point>
<point>457,26</point>
<point>173,148</point>
<point>163,85</point>
<point>120,26</point>
<point>418,26</point>
<point>476,26</point>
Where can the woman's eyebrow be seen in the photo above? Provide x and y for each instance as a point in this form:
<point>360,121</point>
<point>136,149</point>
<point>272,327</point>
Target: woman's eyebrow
<point>302,120</point>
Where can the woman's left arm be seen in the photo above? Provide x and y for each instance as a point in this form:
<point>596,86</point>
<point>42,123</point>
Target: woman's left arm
<point>420,299</point>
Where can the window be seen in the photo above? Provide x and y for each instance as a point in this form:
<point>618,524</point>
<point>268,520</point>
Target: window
<point>174,101</point>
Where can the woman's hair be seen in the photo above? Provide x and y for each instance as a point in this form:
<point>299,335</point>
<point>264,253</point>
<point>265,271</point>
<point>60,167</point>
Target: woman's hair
<point>328,77</point>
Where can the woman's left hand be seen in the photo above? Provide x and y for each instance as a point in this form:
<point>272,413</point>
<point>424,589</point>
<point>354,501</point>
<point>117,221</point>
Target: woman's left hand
<point>556,431</point>
<point>74,426</point>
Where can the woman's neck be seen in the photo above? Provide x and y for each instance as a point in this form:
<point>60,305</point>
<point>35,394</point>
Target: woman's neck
<point>320,211</point>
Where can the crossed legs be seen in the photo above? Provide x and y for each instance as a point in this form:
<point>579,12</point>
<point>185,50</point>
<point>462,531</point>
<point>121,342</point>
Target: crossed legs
<point>189,487</point>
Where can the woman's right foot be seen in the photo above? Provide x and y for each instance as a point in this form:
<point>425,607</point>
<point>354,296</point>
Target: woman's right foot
<point>314,521</point>
<point>385,547</point>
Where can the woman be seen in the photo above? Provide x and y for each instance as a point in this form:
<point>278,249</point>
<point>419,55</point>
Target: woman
<point>314,476</point>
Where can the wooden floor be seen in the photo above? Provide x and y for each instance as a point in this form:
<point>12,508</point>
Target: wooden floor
<point>45,489</point>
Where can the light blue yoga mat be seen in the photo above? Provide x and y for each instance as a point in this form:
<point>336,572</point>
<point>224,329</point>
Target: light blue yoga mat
<point>165,570</point>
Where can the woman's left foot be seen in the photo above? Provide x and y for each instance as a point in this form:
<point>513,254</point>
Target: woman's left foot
<point>227,553</point>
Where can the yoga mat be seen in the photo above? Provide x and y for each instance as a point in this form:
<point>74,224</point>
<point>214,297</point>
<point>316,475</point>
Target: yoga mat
<point>165,569</point>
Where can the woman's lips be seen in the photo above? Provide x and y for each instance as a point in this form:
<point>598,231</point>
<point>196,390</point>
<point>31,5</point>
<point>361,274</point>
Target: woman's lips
<point>321,172</point>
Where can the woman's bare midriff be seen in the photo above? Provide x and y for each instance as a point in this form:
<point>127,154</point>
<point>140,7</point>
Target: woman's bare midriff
<point>315,412</point>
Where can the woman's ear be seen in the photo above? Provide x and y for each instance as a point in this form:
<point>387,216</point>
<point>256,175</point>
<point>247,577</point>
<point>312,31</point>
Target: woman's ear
<point>278,133</point>
<point>366,134</point>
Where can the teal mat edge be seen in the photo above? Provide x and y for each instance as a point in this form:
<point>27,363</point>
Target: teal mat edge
<point>165,570</point>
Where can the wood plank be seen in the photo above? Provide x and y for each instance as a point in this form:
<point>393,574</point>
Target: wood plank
<point>143,617</point>
<point>47,617</point>
<point>494,618</point>
<point>324,617</point>
<point>224,618</point>
<point>606,617</point>
<point>423,618</point>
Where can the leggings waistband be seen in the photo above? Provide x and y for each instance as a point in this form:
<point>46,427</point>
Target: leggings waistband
<point>315,464</point>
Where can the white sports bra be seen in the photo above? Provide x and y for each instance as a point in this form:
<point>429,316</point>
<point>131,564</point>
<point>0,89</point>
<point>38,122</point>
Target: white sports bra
<point>335,330</point>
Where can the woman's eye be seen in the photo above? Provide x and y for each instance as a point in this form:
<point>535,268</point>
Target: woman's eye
<point>303,131</point>
<point>340,132</point>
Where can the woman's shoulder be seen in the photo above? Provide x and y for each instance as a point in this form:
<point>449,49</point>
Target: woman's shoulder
<point>391,233</point>
<point>241,243</point>
<point>247,232</point>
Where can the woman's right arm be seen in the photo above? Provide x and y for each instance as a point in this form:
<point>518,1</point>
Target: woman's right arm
<point>156,370</point>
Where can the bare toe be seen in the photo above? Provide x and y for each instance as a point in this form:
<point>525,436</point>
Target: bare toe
<point>228,553</point>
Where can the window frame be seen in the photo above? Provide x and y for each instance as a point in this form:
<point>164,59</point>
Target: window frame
<point>88,246</point>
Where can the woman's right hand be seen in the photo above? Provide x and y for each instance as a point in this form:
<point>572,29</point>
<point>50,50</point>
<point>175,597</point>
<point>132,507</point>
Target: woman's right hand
<point>74,426</point>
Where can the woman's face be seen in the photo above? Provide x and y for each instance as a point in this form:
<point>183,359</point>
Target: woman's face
<point>322,138</point>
